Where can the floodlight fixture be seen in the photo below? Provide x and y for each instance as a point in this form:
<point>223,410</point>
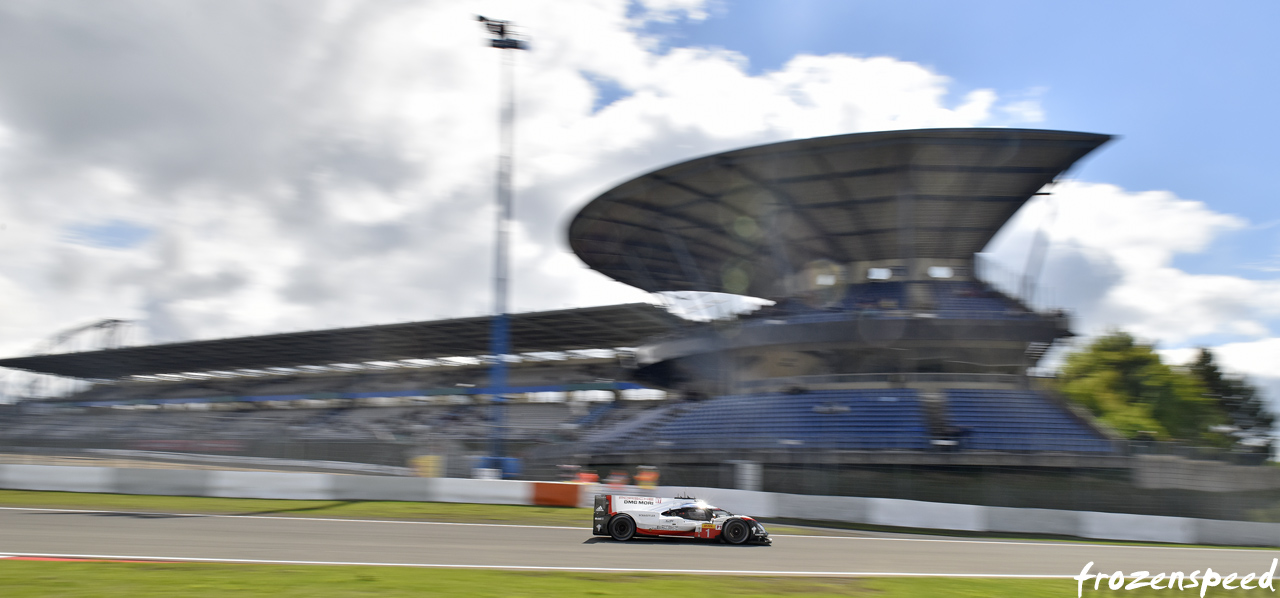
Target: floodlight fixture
<point>503,37</point>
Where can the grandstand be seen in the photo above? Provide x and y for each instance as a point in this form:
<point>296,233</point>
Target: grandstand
<point>881,335</point>
<point>882,354</point>
<point>878,337</point>
<point>885,361</point>
<point>376,394</point>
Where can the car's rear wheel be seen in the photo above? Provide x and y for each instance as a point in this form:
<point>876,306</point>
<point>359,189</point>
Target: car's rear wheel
<point>622,528</point>
<point>736,531</point>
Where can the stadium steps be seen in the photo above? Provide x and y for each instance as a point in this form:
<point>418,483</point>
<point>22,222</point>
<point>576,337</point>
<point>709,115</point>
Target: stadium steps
<point>646,432</point>
<point>935,414</point>
<point>1019,420</point>
<point>850,419</point>
<point>596,414</point>
<point>635,427</point>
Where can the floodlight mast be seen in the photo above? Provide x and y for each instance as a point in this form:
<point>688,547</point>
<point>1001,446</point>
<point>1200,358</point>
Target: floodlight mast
<point>500,335</point>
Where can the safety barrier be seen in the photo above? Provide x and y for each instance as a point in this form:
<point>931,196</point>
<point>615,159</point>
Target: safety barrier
<point>873,511</point>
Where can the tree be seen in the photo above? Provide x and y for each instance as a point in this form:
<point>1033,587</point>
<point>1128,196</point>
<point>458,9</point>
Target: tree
<point>1125,385</point>
<point>1245,407</point>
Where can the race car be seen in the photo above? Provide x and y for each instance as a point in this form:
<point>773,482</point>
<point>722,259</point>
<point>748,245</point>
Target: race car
<point>626,517</point>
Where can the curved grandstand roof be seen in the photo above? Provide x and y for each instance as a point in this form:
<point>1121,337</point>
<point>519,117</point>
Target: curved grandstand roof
<point>766,212</point>
<point>562,330</point>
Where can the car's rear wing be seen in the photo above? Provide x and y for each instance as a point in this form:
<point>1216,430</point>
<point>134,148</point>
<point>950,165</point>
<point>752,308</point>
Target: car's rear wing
<point>601,514</point>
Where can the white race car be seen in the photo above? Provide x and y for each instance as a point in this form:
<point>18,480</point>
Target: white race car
<point>625,517</point>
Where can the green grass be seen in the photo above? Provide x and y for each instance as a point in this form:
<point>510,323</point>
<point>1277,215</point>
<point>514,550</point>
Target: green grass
<point>410,511</point>
<point>23,579</point>
<point>349,509</point>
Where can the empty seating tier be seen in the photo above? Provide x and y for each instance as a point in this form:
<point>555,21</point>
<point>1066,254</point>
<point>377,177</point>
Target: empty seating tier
<point>1017,420</point>
<point>833,419</point>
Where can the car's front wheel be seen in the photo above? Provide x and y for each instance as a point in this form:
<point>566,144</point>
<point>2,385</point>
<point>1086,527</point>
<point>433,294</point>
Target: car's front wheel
<point>736,531</point>
<point>622,528</point>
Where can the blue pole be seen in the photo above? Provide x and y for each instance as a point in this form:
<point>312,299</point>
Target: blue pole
<point>500,336</point>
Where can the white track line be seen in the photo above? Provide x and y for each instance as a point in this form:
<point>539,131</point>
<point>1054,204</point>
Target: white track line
<point>587,529</point>
<point>532,567</point>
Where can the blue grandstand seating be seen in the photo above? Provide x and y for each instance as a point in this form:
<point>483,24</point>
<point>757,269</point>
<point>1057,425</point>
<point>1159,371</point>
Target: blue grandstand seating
<point>830,419</point>
<point>876,295</point>
<point>596,413</point>
<point>958,299</point>
<point>1018,420</point>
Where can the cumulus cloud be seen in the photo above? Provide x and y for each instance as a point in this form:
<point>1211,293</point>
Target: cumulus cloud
<point>671,10</point>
<point>1027,107</point>
<point>1255,359</point>
<point>291,165</point>
<point>1111,260</point>
<point>1117,247</point>
<point>218,169</point>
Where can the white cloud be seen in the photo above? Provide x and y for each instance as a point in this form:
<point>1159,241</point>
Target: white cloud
<point>314,165</point>
<point>1026,107</point>
<point>334,167</point>
<point>1111,261</point>
<point>670,10</point>
<point>1111,254</point>
<point>1255,359</point>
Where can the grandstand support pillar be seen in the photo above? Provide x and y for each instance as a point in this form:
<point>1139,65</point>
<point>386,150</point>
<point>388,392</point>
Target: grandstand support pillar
<point>907,246</point>
<point>500,338</point>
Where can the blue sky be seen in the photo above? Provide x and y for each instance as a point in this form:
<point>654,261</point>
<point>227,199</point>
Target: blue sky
<point>1188,86</point>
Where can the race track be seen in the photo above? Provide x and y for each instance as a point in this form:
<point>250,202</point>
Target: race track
<point>37,532</point>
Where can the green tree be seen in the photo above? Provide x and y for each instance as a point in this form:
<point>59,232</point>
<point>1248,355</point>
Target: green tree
<point>1244,406</point>
<point>1125,385</point>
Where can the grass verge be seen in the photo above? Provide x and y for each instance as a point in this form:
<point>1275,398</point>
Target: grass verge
<point>22,579</point>
<point>338,509</point>
<point>346,509</point>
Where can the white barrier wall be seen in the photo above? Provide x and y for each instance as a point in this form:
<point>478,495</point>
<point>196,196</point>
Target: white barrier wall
<point>62,479</point>
<point>365,487</point>
<point>876,511</point>
<point>165,482</point>
<point>1243,533</point>
<point>1032,521</point>
<point>823,508</point>
<point>269,484</point>
<point>931,515</point>
<point>489,492</point>
<point>1143,528</point>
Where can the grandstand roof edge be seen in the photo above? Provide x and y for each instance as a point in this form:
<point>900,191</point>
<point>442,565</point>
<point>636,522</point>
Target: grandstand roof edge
<point>599,327</point>
<point>766,211</point>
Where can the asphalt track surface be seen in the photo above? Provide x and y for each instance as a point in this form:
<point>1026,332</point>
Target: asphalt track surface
<point>131,536</point>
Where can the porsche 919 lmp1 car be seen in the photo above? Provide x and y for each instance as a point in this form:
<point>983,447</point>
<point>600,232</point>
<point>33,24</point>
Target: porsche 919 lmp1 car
<point>626,517</point>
